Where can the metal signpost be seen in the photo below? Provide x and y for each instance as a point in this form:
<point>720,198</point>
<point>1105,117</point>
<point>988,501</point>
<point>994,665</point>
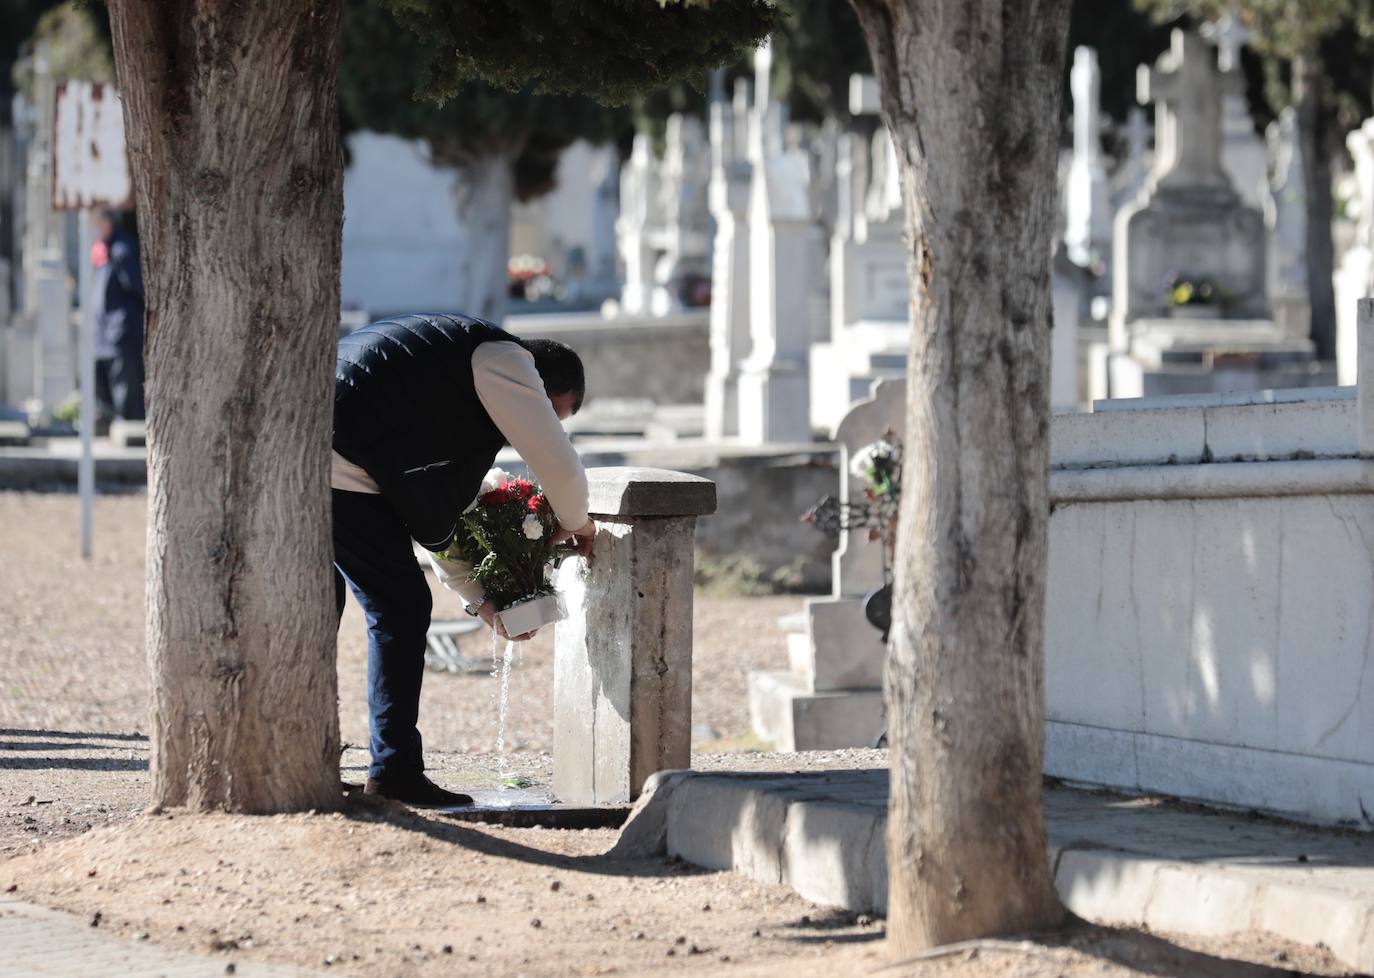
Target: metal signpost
<point>90,168</point>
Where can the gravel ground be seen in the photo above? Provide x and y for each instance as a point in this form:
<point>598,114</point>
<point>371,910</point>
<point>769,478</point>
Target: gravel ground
<point>71,643</point>
<point>381,891</point>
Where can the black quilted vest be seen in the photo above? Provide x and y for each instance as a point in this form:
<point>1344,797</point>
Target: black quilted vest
<point>406,410</point>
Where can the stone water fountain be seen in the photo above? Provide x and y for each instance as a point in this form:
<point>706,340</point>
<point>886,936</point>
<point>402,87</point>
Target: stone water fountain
<point>623,657</point>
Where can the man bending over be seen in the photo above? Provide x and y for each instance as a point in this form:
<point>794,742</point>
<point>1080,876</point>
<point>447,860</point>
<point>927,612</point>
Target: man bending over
<point>422,405</point>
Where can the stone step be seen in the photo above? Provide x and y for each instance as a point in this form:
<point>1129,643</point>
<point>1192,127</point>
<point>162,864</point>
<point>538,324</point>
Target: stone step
<point>792,717</point>
<point>1116,861</point>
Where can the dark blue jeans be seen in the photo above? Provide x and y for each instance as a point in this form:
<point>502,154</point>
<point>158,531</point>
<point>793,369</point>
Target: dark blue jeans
<point>372,552</point>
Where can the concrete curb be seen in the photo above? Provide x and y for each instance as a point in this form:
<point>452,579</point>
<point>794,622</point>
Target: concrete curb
<point>1115,861</point>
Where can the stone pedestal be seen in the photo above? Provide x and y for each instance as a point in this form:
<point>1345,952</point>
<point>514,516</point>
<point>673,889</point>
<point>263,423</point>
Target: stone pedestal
<point>623,658</point>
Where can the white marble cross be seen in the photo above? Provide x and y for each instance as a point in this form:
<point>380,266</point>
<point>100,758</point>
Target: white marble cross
<point>1229,35</point>
<point>1187,90</point>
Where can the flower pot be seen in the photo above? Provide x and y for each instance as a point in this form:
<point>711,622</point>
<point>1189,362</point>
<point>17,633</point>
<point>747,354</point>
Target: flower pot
<point>1198,310</point>
<point>533,613</point>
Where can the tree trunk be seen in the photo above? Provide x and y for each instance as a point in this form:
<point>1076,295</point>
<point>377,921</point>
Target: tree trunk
<point>233,125</point>
<point>971,92</point>
<point>1308,79</point>
<point>484,193</point>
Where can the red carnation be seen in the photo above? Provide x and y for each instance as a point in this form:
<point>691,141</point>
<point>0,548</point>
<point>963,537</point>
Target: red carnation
<point>497,496</point>
<point>539,504</point>
<point>521,488</point>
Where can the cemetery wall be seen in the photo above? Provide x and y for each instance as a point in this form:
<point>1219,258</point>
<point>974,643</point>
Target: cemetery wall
<point>1209,629</point>
<point>664,359</point>
<point>401,229</point>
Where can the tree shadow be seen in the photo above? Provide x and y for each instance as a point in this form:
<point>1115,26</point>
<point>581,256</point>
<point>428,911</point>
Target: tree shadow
<point>70,734</point>
<point>42,745</point>
<point>73,763</point>
<point>368,809</point>
<point>1155,955</point>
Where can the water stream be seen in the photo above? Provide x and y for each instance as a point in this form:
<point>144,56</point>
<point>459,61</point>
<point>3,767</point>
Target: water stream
<point>501,667</point>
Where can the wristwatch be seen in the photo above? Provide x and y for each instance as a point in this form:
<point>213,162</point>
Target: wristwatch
<point>474,608</point>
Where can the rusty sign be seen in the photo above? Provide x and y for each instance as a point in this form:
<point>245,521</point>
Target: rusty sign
<point>90,166</point>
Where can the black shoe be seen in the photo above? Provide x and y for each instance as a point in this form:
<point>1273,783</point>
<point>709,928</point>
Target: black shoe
<point>416,790</point>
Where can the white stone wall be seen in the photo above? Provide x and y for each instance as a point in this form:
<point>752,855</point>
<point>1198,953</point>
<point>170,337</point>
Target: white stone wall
<point>1209,629</point>
<point>401,235</point>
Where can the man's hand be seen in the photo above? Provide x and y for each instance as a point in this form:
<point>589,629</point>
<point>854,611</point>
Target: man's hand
<point>584,539</point>
<point>488,613</point>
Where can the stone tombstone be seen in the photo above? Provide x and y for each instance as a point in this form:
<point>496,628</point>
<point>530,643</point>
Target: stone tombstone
<point>831,695</point>
<point>1286,216</point>
<point>1354,278</point>
<point>623,657</point>
<point>857,563</point>
<point>774,386</point>
<point>683,236</point>
<point>1088,228</point>
<point>729,198</point>
<point>1191,220</point>
<point>602,263</point>
<point>640,217</point>
<point>870,292</point>
<point>1242,152</point>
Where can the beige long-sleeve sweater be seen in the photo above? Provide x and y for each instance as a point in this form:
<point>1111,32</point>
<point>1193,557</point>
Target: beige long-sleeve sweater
<point>512,393</point>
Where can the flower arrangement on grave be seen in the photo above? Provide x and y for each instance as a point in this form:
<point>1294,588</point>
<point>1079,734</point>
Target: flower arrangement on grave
<point>879,466</point>
<point>1184,290</point>
<point>506,537</point>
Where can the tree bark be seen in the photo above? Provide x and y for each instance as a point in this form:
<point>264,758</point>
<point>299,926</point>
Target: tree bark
<point>232,118</point>
<point>971,92</point>
<point>1308,79</point>
<point>484,193</point>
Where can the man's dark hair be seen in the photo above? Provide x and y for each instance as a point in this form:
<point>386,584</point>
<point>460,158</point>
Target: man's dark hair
<point>560,368</point>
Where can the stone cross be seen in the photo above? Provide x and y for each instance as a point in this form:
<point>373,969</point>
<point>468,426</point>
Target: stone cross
<point>1230,36</point>
<point>1187,91</point>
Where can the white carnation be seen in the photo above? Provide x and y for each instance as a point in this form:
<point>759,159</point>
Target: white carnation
<point>495,479</point>
<point>865,459</point>
<point>533,527</point>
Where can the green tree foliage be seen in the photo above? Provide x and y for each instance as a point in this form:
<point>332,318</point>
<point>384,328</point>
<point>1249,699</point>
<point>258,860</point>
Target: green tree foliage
<point>817,46</point>
<point>1124,38</point>
<point>610,49</point>
<point>383,70</point>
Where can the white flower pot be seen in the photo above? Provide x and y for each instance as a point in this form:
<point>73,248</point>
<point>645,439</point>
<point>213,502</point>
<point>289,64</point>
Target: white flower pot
<point>533,613</point>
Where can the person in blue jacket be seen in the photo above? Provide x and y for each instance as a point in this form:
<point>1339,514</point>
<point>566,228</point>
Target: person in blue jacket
<point>118,306</point>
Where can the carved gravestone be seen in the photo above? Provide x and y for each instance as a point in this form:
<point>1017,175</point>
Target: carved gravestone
<point>831,694</point>
<point>1191,220</point>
